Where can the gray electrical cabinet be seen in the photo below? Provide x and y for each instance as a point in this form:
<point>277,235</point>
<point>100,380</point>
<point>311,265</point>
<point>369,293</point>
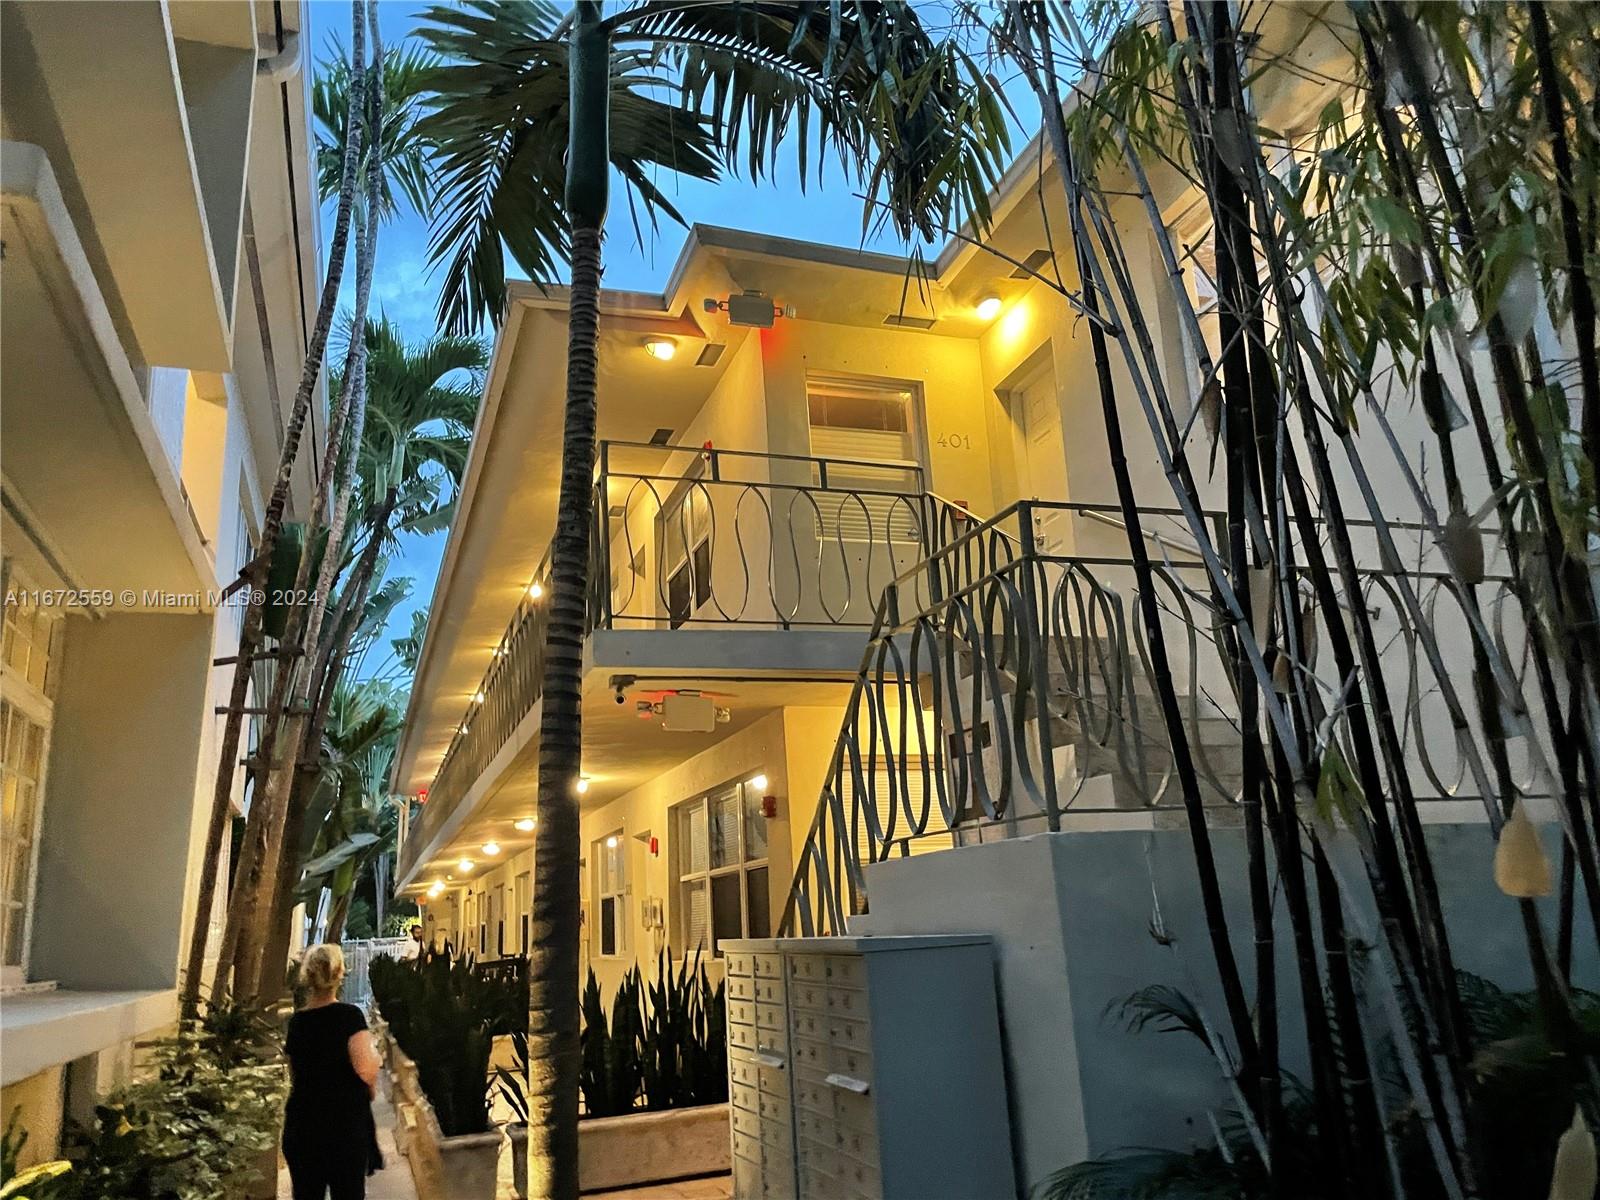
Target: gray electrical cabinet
<point>866,1068</point>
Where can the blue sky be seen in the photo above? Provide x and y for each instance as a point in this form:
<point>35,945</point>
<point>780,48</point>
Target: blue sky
<point>404,291</point>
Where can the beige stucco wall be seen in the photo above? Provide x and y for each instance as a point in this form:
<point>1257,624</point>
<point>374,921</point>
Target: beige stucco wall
<point>759,748</point>
<point>946,370</point>
<point>38,1102</point>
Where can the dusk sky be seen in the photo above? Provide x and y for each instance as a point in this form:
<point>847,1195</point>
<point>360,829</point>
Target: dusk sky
<point>406,292</point>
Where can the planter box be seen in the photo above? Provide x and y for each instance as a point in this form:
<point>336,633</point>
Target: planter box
<point>653,1147</point>
<point>449,1168</point>
<point>517,1135</point>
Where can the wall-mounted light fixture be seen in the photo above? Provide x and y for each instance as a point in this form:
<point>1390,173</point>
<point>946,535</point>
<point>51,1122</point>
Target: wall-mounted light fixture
<point>535,590</point>
<point>759,782</point>
<point>583,784</point>
<point>988,308</point>
<point>752,309</point>
<point>611,842</point>
<point>660,348</point>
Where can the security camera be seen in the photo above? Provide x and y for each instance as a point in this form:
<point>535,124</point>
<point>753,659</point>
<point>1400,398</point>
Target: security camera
<point>621,696</point>
<point>620,684</point>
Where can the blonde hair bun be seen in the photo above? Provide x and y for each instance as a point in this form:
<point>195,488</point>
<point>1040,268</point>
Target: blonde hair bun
<point>323,968</point>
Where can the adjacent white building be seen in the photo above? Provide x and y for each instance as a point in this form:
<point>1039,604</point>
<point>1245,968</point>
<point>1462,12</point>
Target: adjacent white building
<point>161,272</point>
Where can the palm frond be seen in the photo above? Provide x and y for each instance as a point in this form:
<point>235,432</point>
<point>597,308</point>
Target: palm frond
<point>498,117</point>
<point>404,154</point>
<point>864,83</point>
<point>1162,1008</point>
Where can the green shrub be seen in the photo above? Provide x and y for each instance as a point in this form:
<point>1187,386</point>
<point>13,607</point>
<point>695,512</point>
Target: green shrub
<point>1523,1087</point>
<point>444,1016</point>
<point>663,1046</point>
<point>193,1126</point>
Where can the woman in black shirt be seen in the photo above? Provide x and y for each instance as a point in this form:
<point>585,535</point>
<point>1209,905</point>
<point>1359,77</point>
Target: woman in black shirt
<point>329,1140</point>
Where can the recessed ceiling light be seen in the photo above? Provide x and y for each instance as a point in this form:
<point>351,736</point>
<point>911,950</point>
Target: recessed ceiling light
<point>437,889</point>
<point>465,865</point>
<point>535,590</point>
<point>526,824</point>
<point>660,348</point>
<point>988,308</point>
<point>490,849</point>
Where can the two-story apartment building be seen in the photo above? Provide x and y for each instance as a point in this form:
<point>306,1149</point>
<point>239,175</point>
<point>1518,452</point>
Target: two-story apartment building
<point>161,274</point>
<point>761,484</point>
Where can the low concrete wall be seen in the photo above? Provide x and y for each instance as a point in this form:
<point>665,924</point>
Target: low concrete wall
<point>617,1152</point>
<point>1071,915</point>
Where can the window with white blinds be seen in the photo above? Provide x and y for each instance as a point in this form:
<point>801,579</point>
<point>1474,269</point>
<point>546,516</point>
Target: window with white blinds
<point>886,800</point>
<point>867,423</point>
<point>721,855</point>
<point>610,886</point>
<point>27,677</point>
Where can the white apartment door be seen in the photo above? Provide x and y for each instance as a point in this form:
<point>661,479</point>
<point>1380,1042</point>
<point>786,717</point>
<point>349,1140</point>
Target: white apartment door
<point>1042,456</point>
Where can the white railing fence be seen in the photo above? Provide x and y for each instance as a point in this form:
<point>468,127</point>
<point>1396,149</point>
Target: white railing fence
<point>358,958</point>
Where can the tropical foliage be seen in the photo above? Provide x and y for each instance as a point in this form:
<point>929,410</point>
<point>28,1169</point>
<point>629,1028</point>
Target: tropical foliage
<point>444,1014</point>
<point>1419,239</point>
<point>695,90</point>
<point>664,1045</point>
<point>1521,1081</point>
<point>193,1126</point>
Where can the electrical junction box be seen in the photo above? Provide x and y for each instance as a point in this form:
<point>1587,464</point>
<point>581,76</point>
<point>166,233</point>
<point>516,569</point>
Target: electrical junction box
<point>688,714</point>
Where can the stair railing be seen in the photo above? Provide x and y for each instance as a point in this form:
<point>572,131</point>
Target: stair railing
<point>1005,685</point>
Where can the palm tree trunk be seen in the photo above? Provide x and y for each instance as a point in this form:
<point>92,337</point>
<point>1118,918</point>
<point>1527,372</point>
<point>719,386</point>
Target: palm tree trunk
<point>553,1047</point>
<point>254,972</point>
<point>255,574</point>
<point>338,914</point>
<point>329,668</point>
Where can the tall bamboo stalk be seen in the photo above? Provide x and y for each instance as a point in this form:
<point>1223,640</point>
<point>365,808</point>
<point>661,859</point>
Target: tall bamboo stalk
<point>1234,999</point>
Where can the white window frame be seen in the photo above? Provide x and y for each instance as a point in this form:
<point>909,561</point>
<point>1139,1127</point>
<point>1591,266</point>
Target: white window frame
<point>37,706</point>
<point>617,894</point>
<point>886,518</point>
<point>684,878</point>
